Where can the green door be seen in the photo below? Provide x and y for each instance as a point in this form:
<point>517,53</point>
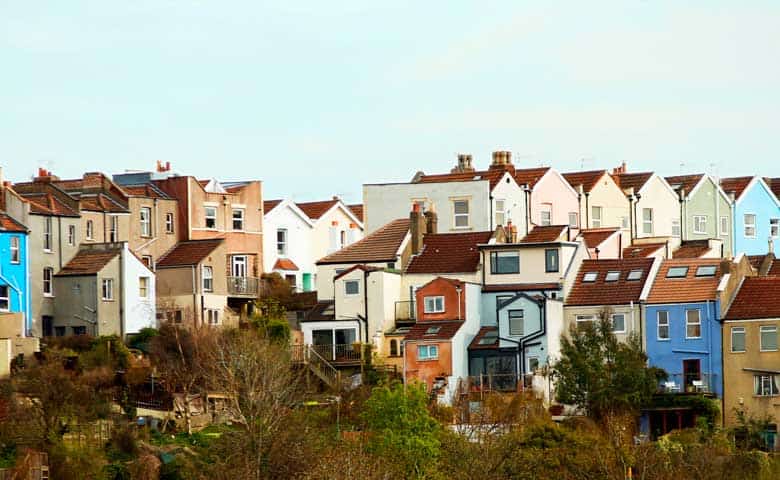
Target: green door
<point>307,282</point>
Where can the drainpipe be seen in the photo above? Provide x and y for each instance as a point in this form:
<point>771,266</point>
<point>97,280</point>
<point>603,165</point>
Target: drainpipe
<point>492,219</point>
<point>194,296</point>
<point>683,220</point>
<point>121,295</point>
<point>587,210</point>
<point>59,241</point>
<point>365,301</point>
<point>527,209</point>
<point>631,221</point>
<point>459,290</point>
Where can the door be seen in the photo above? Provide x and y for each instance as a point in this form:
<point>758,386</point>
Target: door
<point>691,372</point>
<point>47,321</point>
<point>307,282</point>
<point>239,266</point>
<point>322,343</point>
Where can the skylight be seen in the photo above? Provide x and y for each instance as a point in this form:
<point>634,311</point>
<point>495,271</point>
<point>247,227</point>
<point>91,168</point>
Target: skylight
<point>612,276</point>
<point>634,275</point>
<point>488,339</point>
<point>677,272</point>
<point>590,277</point>
<point>432,330</point>
<point>706,271</point>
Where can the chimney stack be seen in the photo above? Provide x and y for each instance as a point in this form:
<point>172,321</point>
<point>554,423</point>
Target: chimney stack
<point>501,159</point>
<point>417,228</point>
<point>163,168</point>
<point>45,176</point>
<point>464,164</point>
<point>620,170</point>
<point>431,221</point>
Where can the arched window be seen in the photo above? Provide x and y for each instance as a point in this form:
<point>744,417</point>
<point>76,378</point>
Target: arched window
<point>394,348</point>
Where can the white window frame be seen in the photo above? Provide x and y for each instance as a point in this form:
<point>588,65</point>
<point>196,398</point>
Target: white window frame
<point>700,224</point>
<point>143,287</point>
<point>647,225</point>
<point>774,227</point>
<point>689,323</point>
<point>107,289</point>
<point>433,304</point>
<point>582,319</point>
<point>666,324</point>
<point>212,316</point>
<point>169,228</point>
<point>768,329</point>
<point>16,257</point>
<point>240,219</point>
<point>456,215</point>
<point>724,232</point>
<point>500,211</point>
<point>342,239</point>
<point>90,230</point>
<point>5,298</point>
<point>545,215</point>
<point>431,352</point>
<point>596,220</point>
<point>48,282</point>
<point>749,226</point>
<point>47,240</point>
<point>766,385</point>
<point>739,331</point>
<point>574,220</point>
<point>207,215</point>
<point>521,318</point>
<point>113,228</point>
<point>207,278</point>
<point>676,231</point>
<point>556,255</point>
<point>612,319</point>
<point>281,247</point>
<point>71,235</point>
<point>145,219</point>
<point>346,287</point>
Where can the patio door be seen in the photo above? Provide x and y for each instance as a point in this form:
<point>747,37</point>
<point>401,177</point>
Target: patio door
<point>691,372</point>
<point>239,267</point>
<point>322,342</point>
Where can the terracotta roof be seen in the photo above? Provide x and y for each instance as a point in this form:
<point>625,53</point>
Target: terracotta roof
<point>351,269</point>
<point>632,180</point>
<point>588,179</point>
<point>357,210</point>
<point>686,182</point>
<point>449,253</point>
<point>551,233</point>
<point>757,298</point>
<point>315,210</point>
<point>380,246</point>
<point>521,287</point>
<point>88,262</point>
<point>285,264</point>
<point>476,343</point>
<point>492,175</point>
<point>756,260</point>
<point>692,249</point>
<point>8,224</point>
<point>530,176</point>
<point>190,252</point>
<point>690,288</point>
<point>774,270</point>
<point>642,250</point>
<point>48,204</point>
<point>147,190</point>
<point>322,311</point>
<point>269,205</point>
<point>594,237</point>
<point>774,185</point>
<point>101,203</point>
<point>735,184</point>
<point>600,292</point>
<point>447,330</point>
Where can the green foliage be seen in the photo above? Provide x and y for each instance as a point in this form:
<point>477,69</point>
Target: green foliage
<point>270,319</point>
<point>706,409</point>
<point>141,339</point>
<point>751,431</point>
<point>8,456</point>
<point>106,351</point>
<point>400,427</point>
<point>603,375</point>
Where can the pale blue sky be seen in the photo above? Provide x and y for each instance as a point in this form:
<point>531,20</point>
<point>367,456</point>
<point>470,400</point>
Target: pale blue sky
<point>316,97</point>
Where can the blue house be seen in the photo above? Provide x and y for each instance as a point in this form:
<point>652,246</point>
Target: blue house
<point>756,215</point>
<point>14,270</point>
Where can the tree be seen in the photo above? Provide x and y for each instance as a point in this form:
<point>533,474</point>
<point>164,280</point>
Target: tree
<point>603,375</point>
<point>271,319</point>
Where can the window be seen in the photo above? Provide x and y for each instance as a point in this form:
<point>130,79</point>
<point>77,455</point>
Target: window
<point>663,325</point>
<point>750,225</point>
<point>15,256</point>
<point>342,239</point>
<point>768,338</point>
<point>706,271</point>
<point>533,364</point>
<point>47,234</point>
<point>90,230</point>
<point>48,274</point>
<point>724,226</point>
<point>239,265</point>
<point>500,211</point>
<point>612,276</point>
<point>619,323</point>
<point>583,320</point>
<point>700,224</point>
<point>501,299</point>
<point>551,260</point>
<point>351,287</point>
<point>211,217</point>
<point>434,304</point>
<point>595,216</point>
<point>281,241</point>
<point>59,331</point>
<point>766,385</point>
<point>174,316</point>
<point>460,210</point>
<point>146,222</point>
<point>677,272</point>
<point>545,216</point>
<point>113,229</point>
<point>393,348</point>
<point>143,287</point>
<point>427,352</point>
<point>238,219</point>
<point>574,220</point>
<point>79,330</point>
<point>675,228</point>
<point>5,301</point>
<point>168,223</point>
<point>516,323</point>
<point>692,324</point>
<point>71,235</point>
<point>108,289</point>
<point>647,221</point>
<point>212,316</point>
<point>147,259</point>
<point>774,227</point>
<point>624,223</point>
<point>590,277</point>
<point>634,275</point>
<point>504,262</point>
<point>432,330</point>
<point>737,339</point>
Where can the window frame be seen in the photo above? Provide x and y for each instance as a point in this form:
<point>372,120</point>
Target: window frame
<point>499,211</point>
<point>724,232</point>
<point>576,220</point>
<point>676,229</point>
<point>283,243</point>
<point>774,227</point>
<point>241,220</point>
<point>517,314</point>
<point>646,222</point>
<point>667,325</point>
<point>612,320</point>
<point>582,319</point>
<point>759,385</point>
<point>48,292</point>
<point>71,235</point>
<point>212,316</point>
<point>548,212</point>
<point>145,221</point>
<point>739,331</point>
<point>5,299</point>
<point>547,261</point>
<point>113,228</point>
<point>47,234</point>
<point>15,250</point>
<point>435,299</point>
<point>207,217</point>
<point>169,227</point>
<point>431,352</point>
<point>107,289</point>
<point>346,287</point>
<point>689,323</point>
<point>767,328</point>
<point>143,287</point>
<point>596,221</point>
<point>90,228</point>
<point>456,215</point>
<point>494,256</point>
<point>612,276</point>
<point>677,269</point>
<point>699,221</point>
<point>752,225</point>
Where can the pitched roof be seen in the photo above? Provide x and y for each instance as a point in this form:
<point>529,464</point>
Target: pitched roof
<point>594,237</point>
<point>692,249</point>
<point>447,330</point>
<point>351,269</point>
<point>43,202</point>
<point>315,210</point>
<point>735,184</point>
<point>774,185</point>
<point>492,175</point>
<point>686,182</point>
<point>549,233</point>
<point>757,298</point>
<point>321,311</point>
<point>88,262</point>
<point>601,292</point>
<point>530,176</point>
<point>477,343</point>
<point>148,190</point>
<point>632,180</point>
<point>521,287</point>
<point>357,210</point>
<point>8,224</point>
<point>189,252</point>
<point>269,205</point>
<point>690,288</point>
<point>380,246</point>
<point>101,203</point>
<point>588,179</point>
<point>449,253</point>
<point>756,260</point>
<point>285,264</point>
<point>642,250</point>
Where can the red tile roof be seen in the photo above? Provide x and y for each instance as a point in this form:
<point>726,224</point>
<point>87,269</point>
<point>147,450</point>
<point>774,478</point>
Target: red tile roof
<point>315,210</point>
<point>449,253</point>
<point>601,292</point>
<point>632,180</point>
<point>147,190</point>
<point>365,268</point>
<point>642,250</point>
<point>357,210</point>
<point>101,203</point>
<point>774,185</point>
<point>8,224</point>
<point>692,249</point>
<point>689,288</point>
<point>190,252</point>
<point>88,262</point>
<point>588,179</point>
<point>285,264</point>
<point>774,270</point>
<point>521,287</point>
<point>757,298</point>
<point>735,184</point>
<point>475,344</point>
<point>447,330</point>
<point>756,260</point>
<point>551,233</point>
<point>380,246</point>
<point>492,175</point>
<point>530,176</point>
<point>686,182</point>
<point>269,205</point>
<point>594,237</point>
<point>42,203</point>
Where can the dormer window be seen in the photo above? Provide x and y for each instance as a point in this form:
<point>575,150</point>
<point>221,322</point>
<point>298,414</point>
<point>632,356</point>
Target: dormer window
<point>434,304</point>
<point>432,330</point>
<point>612,276</point>
<point>590,277</point>
<point>677,272</point>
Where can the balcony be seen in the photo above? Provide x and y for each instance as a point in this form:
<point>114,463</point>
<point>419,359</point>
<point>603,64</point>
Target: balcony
<point>338,355</point>
<point>405,311</point>
<point>243,286</point>
<point>500,382</point>
<point>689,383</point>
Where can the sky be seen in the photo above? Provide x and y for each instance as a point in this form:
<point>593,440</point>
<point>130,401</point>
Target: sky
<point>316,98</point>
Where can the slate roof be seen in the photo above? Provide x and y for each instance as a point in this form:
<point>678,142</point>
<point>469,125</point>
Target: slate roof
<point>88,262</point>
<point>449,253</point>
<point>539,234</point>
<point>594,237</point>
<point>601,292</point>
<point>189,252</point>
<point>757,298</point>
<point>689,288</point>
<point>380,246</point>
<point>735,184</point>
<point>8,224</point>
<point>269,205</point>
<point>357,210</point>
<point>315,210</point>
<point>642,250</point>
<point>492,175</point>
<point>521,287</point>
<point>447,330</point>
<point>322,311</point>
<point>686,182</point>
<point>285,264</point>
<point>632,180</point>
<point>692,249</point>
<point>588,179</point>
<point>475,344</point>
<point>530,176</point>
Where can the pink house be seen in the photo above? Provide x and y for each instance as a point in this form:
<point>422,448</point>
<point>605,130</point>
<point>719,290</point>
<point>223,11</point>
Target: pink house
<point>551,200</point>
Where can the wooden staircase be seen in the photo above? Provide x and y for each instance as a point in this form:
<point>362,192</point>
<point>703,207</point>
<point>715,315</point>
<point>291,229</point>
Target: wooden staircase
<point>318,365</point>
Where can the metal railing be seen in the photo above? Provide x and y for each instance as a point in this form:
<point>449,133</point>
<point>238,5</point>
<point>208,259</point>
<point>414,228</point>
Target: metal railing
<point>405,310</point>
<point>688,383</point>
<point>243,286</point>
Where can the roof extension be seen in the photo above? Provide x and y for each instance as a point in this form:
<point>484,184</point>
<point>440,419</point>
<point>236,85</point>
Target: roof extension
<point>691,285</point>
<point>592,287</point>
<point>757,298</point>
<point>88,262</point>
<point>449,253</point>
<point>380,246</point>
<point>189,252</point>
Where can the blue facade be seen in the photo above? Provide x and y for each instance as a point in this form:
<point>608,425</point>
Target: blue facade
<point>680,354</point>
<point>14,275</point>
<point>756,200</point>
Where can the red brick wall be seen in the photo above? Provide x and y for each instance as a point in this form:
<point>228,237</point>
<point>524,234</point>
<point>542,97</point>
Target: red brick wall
<point>447,289</point>
<point>426,371</point>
